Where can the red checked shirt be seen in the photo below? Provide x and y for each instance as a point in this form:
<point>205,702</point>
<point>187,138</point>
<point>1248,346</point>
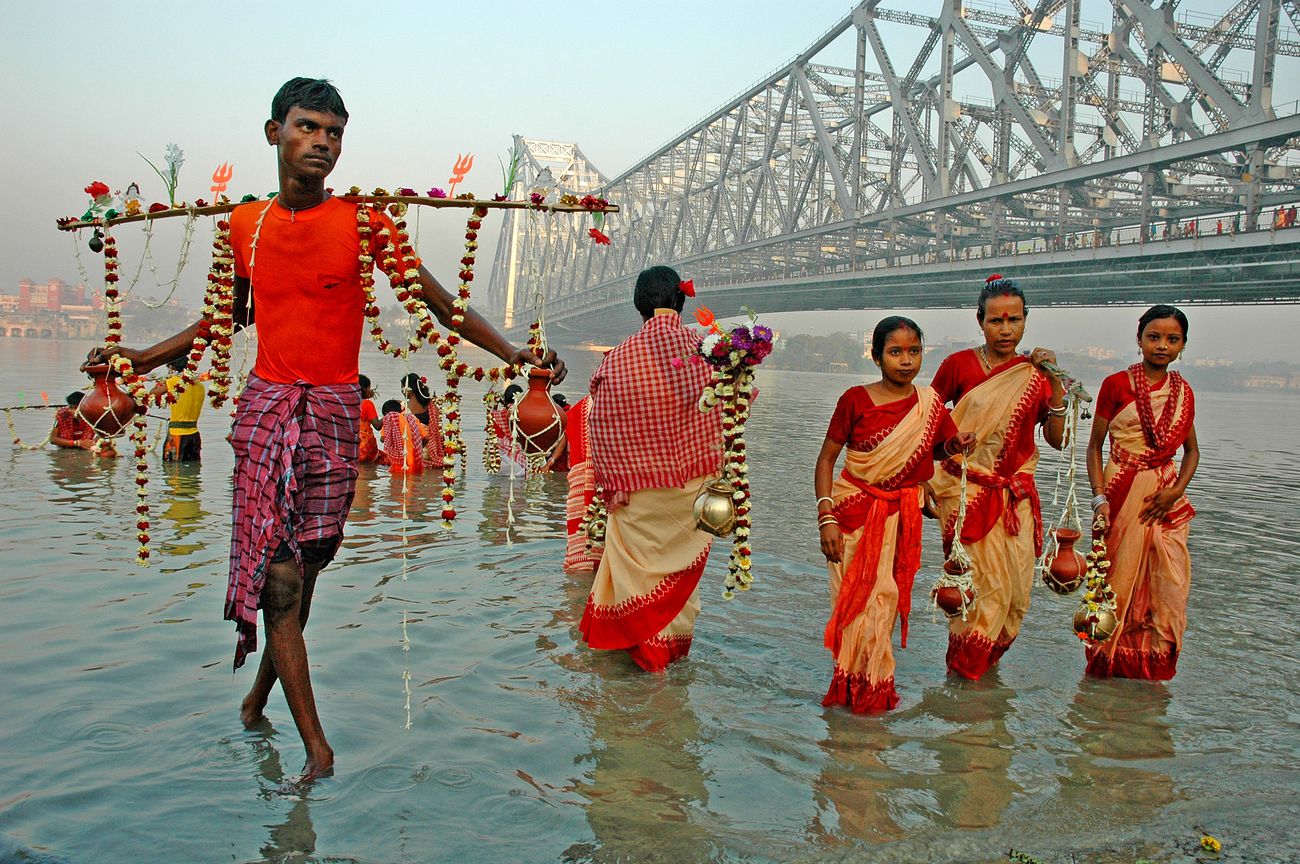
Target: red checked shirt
<point>647,431</point>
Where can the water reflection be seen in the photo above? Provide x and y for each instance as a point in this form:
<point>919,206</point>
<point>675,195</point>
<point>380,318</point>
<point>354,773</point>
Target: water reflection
<point>857,791</point>
<point>648,776</point>
<point>1119,722</point>
<point>972,788</point>
<point>293,840</point>
<point>183,507</point>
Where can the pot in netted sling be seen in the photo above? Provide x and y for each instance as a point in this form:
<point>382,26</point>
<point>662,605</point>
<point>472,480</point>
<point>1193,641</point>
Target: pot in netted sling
<point>1064,569</point>
<point>952,600</point>
<point>107,407</point>
<point>539,421</point>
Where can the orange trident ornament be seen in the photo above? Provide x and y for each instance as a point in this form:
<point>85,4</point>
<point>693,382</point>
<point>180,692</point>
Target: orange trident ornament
<point>221,177</point>
<point>458,172</point>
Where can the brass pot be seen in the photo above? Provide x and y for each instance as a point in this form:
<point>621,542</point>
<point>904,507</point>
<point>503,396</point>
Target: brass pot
<point>1097,626</point>
<point>715,509</point>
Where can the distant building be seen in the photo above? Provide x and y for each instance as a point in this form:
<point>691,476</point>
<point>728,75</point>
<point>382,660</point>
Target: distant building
<point>1097,352</point>
<point>1211,362</point>
<point>50,310</point>
<point>1268,382</point>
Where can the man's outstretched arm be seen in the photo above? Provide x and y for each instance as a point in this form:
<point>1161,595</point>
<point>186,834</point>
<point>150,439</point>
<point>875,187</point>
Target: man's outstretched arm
<point>477,330</point>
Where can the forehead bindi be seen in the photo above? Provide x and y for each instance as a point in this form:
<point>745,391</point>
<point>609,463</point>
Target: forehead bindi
<point>1004,309</point>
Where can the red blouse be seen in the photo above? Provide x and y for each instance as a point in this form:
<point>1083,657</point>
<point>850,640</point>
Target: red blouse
<point>962,372</point>
<point>1116,393</point>
<point>860,424</point>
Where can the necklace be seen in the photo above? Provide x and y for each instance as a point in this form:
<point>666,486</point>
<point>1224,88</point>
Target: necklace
<point>984,358</point>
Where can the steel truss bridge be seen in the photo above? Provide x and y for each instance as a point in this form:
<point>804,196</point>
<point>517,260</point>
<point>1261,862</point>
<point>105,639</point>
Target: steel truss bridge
<point>903,156</point>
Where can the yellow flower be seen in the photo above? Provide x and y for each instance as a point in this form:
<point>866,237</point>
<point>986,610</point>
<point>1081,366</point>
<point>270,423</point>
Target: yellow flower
<point>1210,844</point>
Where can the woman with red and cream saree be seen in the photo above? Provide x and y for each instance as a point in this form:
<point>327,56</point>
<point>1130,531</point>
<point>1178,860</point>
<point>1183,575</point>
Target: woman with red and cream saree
<point>1147,412</point>
<point>869,518</point>
<point>1002,398</point>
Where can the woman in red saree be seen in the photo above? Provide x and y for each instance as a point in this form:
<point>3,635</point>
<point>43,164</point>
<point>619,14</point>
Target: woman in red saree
<point>582,488</point>
<point>1148,413</point>
<point>869,518</point>
<point>1001,397</point>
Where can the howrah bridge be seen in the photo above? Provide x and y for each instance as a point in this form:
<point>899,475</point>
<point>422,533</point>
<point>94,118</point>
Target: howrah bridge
<point>1102,151</point>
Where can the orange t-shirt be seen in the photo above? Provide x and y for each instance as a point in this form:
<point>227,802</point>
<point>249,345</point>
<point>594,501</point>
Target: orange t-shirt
<point>307,297</point>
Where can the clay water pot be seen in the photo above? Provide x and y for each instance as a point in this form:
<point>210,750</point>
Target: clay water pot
<point>951,599</point>
<point>1065,569</point>
<point>539,419</point>
<point>1096,626</point>
<point>107,408</point>
<point>715,509</point>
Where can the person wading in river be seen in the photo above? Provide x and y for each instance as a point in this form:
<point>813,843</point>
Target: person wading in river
<point>1002,397</point>
<point>296,430</point>
<point>651,451</point>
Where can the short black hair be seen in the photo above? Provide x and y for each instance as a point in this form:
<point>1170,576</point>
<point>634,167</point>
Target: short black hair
<point>887,326</point>
<point>508,396</point>
<point>658,287</point>
<point>1162,310</point>
<point>392,406</point>
<point>558,399</point>
<point>180,363</point>
<point>313,94</point>
<point>74,398</point>
<point>999,286</point>
<point>415,385</point>
<point>364,381</point>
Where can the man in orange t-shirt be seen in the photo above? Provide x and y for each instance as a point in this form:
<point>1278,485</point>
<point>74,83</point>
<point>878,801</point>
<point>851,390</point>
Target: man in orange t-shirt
<point>297,426</point>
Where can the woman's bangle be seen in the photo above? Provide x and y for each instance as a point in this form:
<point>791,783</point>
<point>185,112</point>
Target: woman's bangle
<point>826,498</point>
<point>1055,410</point>
<point>827,520</point>
<point>1098,500</point>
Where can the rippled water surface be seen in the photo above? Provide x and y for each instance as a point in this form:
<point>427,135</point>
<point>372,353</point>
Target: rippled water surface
<point>120,739</point>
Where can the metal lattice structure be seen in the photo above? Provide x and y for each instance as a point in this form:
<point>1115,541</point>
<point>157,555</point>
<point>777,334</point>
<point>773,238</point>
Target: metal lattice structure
<point>1004,132</point>
<point>530,243</point>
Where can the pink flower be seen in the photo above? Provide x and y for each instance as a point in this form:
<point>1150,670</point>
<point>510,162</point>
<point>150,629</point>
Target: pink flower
<point>435,192</point>
<point>676,362</point>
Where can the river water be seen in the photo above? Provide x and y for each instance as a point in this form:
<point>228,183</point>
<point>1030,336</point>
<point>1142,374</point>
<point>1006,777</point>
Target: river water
<point>120,738</point>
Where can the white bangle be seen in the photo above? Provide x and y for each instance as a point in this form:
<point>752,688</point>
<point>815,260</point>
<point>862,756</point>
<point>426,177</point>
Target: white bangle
<point>1056,410</point>
<point>825,498</point>
<point>1097,501</point>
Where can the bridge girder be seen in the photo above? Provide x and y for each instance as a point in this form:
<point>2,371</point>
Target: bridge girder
<point>838,162</point>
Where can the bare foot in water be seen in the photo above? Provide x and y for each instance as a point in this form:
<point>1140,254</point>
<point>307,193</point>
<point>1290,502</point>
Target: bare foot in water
<point>250,711</point>
<point>318,766</point>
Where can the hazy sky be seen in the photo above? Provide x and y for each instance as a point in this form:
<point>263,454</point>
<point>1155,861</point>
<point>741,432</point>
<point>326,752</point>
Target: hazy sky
<point>86,87</point>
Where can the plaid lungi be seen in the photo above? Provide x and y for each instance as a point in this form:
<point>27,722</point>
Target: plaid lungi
<point>296,448</point>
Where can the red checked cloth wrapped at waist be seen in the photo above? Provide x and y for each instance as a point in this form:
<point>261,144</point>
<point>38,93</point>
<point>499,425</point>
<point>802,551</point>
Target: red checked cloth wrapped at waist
<point>647,431</point>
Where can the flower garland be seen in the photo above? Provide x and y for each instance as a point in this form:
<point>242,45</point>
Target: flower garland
<point>733,354</point>
<point>491,446</point>
<point>399,264</point>
<point>454,370</point>
<point>1095,619</point>
<point>13,430</point>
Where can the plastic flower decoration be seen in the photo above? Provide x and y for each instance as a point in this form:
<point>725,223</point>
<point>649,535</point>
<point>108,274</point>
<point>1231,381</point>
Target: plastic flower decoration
<point>173,159</point>
<point>1211,844</point>
<point>598,236</point>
